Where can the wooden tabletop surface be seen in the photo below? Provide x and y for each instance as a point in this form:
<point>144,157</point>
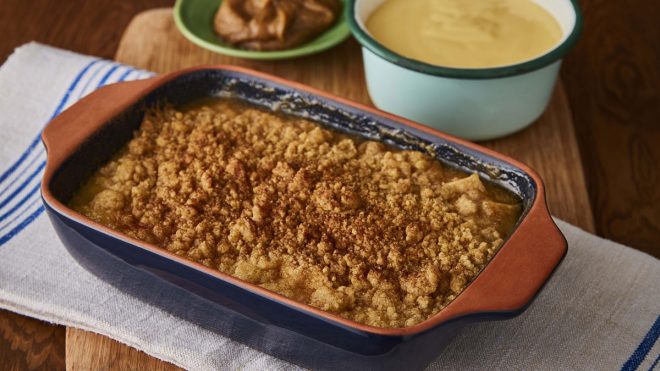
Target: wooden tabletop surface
<point>611,83</point>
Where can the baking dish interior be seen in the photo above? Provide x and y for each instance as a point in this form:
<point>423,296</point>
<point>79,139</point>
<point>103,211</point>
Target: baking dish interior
<point>200,84</point>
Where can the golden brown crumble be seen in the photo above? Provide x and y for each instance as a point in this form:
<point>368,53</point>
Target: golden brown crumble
<point>381,236</point>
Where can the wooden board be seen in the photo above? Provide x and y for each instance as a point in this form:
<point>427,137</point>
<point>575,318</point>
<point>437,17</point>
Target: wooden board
<point>152,42</point>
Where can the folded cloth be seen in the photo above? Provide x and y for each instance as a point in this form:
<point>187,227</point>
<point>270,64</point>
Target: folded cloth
<point>599,311</point>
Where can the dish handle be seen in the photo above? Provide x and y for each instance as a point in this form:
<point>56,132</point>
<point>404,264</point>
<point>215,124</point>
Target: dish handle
<point>70,128</point>
<point>512,279</point>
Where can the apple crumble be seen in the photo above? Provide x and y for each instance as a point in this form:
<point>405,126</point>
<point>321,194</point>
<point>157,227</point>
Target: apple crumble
<point>378,235</point>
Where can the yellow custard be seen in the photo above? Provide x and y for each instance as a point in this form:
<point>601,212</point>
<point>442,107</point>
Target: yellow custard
<point>465,33</point>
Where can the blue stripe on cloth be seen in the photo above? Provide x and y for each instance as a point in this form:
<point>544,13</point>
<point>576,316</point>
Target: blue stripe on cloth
<point>107,75</point>
<point>60,107</point>
<point>21,226</point>
<point>644,347</point>
<point>21,202</point>
<point>37,140</point>
<point>35,201</point>
<point>21,187</point>
<point>85,89</point>
<point>21,173</point>
<point>655,363</point>
<point>24,156</point>
<point>125,74</point>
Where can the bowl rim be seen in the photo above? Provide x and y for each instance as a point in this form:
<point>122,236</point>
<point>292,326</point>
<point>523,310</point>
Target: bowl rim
<point>74,126</point>
<point>311,47</point>
<point>553,55</point>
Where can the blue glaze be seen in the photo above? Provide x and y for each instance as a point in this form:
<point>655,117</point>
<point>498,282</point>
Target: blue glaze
<point>263,323</point>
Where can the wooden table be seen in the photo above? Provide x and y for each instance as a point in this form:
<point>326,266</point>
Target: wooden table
<point>27,343</point>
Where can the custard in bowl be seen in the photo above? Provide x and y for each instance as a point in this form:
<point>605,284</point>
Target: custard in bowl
<point>478,69</point>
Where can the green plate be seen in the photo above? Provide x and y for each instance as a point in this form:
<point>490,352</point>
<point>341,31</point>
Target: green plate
<point>194,18</point>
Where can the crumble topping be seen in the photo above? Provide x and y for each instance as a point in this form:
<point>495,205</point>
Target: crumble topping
<point>382,236</point>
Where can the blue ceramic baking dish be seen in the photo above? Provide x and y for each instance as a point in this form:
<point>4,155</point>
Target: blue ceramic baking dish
<point>86,135</point>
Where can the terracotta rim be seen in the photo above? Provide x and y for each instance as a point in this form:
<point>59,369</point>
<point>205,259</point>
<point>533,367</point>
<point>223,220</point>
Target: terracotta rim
<point>498,288</point>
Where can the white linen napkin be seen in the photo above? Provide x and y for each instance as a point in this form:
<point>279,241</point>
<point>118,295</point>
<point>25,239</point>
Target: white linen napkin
<point>599,311</point>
